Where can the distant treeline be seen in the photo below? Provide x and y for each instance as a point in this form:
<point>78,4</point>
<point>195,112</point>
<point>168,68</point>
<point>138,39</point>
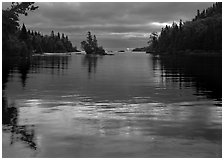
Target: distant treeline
<point>143,49</point>
<point>46,43</point>
<point>203,33</point>
<point>17,41</point>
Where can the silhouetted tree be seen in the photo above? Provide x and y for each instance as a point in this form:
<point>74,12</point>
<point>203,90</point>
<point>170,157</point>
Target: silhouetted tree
<point>153,42</point>
<point>59,35</point>
<point>23,34</point>
<point>91,45</point>
<point>52,33</point>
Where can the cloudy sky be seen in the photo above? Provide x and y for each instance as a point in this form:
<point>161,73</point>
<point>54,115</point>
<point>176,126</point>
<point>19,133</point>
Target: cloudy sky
<point>117,25</point>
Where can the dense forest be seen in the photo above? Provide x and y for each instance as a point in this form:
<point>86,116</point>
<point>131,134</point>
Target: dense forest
<point>18,41</point>
<point>203,33</point>
<point>47,43</point>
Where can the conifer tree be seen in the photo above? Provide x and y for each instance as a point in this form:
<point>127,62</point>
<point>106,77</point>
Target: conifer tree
<point>23,34</point>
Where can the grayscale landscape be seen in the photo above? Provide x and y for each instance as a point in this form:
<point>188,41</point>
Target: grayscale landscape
<point>112,80</point>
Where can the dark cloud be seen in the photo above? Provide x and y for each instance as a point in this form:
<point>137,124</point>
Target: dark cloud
<point>115,24</point>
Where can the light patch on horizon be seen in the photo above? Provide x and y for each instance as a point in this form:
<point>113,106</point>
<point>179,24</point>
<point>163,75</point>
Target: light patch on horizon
<point>163,24</point>
<point>127,35</point>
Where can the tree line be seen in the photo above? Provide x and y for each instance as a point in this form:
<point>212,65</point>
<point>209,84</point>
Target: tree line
<point>40,43</point>
<point>18,41</point>
<point>203,33</point>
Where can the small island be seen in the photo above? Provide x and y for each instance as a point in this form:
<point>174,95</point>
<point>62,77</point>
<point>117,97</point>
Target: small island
<point>90,46</point>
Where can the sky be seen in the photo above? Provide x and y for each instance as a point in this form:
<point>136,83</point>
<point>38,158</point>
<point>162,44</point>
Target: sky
<point>117,25</point>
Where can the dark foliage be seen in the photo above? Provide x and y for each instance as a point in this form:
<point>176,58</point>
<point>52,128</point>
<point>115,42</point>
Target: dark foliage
<point>11,43</point>
<point>143,49</point>
<point>53,43</point>
<point>90,46</point>
<point>203,33</point>
<point>18,41</point>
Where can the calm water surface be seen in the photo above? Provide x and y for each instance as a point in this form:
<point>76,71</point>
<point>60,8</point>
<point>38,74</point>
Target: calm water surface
<point>126,105</point>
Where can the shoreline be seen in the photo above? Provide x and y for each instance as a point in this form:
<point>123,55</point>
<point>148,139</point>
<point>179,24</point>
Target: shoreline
<point>189,53</point>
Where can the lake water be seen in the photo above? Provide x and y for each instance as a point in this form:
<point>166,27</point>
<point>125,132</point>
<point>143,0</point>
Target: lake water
<point>126,105</point>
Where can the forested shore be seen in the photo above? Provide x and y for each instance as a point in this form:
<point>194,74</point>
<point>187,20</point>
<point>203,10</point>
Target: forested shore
<point>19,41</point>
<point>202,35</point>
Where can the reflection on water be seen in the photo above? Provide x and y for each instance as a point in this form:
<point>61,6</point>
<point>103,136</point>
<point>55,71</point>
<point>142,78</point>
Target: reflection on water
<point>18,132</point>
<point>36,64</point>
<point>55,63</point>
<point>127,105</point>
<point>23,68</point>
<point>91,62</point>
<point>202,73</point>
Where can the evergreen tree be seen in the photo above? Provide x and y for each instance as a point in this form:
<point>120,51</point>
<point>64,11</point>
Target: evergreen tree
<point>52,33</point>
<point>95,41</point>
<point>63,36</point>
<point>153,42</point>
<point>23,34</point>
<point>91,46</point>
<point>59,35</point>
